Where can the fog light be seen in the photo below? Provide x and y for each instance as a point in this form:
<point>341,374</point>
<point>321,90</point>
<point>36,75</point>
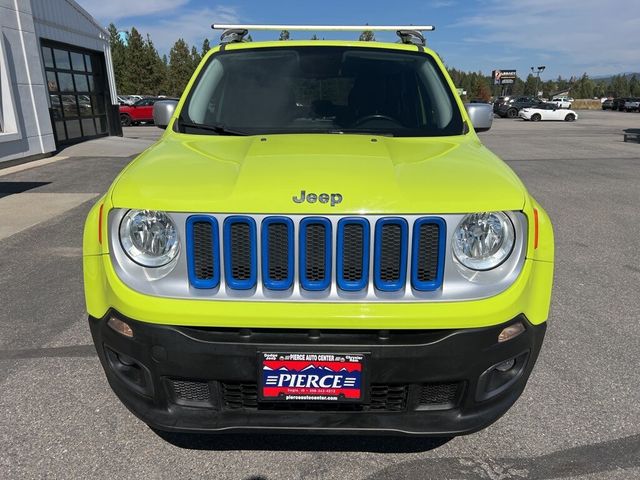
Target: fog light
<point>506,365</point>
<point>120,327</point>
<point>512,331</point>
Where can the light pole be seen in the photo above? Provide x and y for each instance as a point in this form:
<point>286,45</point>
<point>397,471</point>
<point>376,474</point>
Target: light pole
<point>537,72</point>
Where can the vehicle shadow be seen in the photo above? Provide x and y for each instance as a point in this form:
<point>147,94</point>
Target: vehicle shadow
<point>303,443</point>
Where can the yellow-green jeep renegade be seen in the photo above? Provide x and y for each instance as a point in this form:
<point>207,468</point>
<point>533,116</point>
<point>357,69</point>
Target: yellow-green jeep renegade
<point>318,242</point>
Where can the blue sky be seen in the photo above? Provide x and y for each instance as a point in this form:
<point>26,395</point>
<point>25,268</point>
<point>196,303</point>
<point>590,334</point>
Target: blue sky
<point>570,37</point>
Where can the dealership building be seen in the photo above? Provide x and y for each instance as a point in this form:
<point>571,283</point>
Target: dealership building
<point>56,79</point>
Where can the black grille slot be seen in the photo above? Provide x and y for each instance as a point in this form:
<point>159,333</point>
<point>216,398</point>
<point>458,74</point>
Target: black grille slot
<point>390,252</point>
<point>240,236</point>
<point>278,249</point>
<point>353,249</point>
<point>315,251</point>
<point>190,391</point>
<point>236,396</point>
<point>428,239</point>
<point>203,250</point>
<point>388,398</point>
<point>444,394</point>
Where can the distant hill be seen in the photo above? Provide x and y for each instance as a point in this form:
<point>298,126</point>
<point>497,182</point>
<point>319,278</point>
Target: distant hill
<point>607,78</point>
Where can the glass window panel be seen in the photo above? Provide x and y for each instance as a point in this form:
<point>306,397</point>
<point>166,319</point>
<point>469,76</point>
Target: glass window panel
<point>77,61</point>
<point>73,129</point>
<point>85,105</point>
<point>101,122</point>
<point>92,86</point>
<point>56,107</point>
<point>81,83</point>
<point>69,106</point>
<point>87,61</point>
<point>88,127</point>
<point>98,104</point>
<point>47,55</point>
<point>52,82</point>
<point>60,133</point>
<point>62,59</point>
<point>65,82</point>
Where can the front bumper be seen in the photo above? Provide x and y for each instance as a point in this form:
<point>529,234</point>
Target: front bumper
<point>423,382</point>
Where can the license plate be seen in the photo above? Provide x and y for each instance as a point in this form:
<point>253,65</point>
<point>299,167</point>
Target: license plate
<point>311,377</point>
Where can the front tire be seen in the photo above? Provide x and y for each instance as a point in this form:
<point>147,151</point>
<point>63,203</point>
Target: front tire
<point>570,118</point>
<point>125,120</point>
<point>512,113</point>
<point>536,117</point>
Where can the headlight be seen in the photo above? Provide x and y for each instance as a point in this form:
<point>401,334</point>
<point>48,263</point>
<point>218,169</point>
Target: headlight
<point>149,237</point>
<point>483,241</point>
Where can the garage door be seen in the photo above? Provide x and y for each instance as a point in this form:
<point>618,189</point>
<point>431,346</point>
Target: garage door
<point>76,82</point>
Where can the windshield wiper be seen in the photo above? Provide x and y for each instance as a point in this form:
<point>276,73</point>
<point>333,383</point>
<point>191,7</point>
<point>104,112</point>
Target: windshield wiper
<point>217,128</point>
<point>360,131</point>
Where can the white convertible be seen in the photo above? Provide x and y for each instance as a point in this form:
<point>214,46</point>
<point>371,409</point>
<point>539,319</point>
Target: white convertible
<point>547,112</point>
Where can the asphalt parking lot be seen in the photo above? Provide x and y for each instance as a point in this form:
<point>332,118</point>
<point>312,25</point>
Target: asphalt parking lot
<point>578,418</point>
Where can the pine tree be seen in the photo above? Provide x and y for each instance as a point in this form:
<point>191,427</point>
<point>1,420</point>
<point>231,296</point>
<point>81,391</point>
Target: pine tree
<point>206,46</point>
<point>136,66</point>
<point>284,35</point>
<point>634,86</point>
<point>152,83</point>
<point>180,68</point>
<point>117,57</point>
<point>195,58</point>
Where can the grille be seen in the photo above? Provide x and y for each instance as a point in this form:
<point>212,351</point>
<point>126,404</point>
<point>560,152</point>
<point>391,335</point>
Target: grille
<point>388,398</point>
<point>240,251</point>
<point>278,238</point>
<point>382,398</point>
<point>238,396</point>
<point>202,250</point>
<point>190,391</point>
<point>427,249</point>
<point>316,254</point>
<point>315,248</point>
<point>352,257</point>
<point>439,394</point>
<point>391,252</point>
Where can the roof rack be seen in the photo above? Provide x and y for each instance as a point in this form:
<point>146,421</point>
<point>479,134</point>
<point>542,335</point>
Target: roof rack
<point>410,34</point>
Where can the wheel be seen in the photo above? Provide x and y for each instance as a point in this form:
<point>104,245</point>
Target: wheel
<point>536,117</point>
<point>125,120</point>
<point>512,113</point>
<point>570,117</point>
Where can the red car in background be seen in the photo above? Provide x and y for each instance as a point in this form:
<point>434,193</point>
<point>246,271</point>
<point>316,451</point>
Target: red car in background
<point>141,111</point>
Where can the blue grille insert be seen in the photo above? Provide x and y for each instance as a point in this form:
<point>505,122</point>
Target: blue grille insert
<point>240,255</point>
<point>315,253</point>
<point>427,258</point>
<point>203,247</point>
<point>390,254</point>
<point>277,253</point>
<point>352,254</point>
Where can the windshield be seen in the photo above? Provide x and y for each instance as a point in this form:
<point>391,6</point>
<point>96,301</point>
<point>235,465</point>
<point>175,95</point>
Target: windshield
<point>321,90</point>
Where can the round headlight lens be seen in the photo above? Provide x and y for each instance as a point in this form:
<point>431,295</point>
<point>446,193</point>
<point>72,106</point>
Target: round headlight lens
<point>483,241</point>
<point>149,237</point>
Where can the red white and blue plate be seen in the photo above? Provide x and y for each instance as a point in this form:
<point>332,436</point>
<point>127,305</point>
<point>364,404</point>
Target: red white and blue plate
<point>308,377</point>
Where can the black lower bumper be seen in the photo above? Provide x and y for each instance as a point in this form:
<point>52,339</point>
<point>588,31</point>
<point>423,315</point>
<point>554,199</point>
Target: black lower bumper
<point>426,382</point>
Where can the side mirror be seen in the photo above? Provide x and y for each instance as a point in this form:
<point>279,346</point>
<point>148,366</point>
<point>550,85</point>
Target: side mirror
<point>481,115</point>
<point>163,111</point>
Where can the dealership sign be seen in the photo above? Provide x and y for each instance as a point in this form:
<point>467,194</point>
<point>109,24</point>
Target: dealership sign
<point>503,77</point>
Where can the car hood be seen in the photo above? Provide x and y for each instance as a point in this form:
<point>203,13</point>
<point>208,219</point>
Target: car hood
<point>372,174</point>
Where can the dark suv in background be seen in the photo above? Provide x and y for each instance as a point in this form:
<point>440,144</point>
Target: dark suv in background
<point>510,108</point>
